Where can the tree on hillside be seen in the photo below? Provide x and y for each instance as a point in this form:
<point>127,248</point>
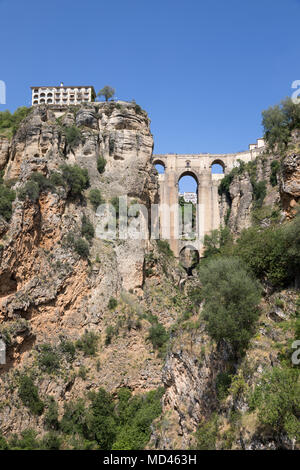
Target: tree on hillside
<point>107,91</point>
<point>231,298</point>
<point>278,122</point>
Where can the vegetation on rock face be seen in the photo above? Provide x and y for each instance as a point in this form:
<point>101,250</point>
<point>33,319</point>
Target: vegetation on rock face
<point>76,178</point>
<point>277,399</point>
<point>99,422</point>
<point>29,395</point>
<point>95,198</point>
<point>80,245</point>
<point>9,123</point>
<point>278,122</point>
<point>101,163</point>
<point>73,178</point>
<point>271,253</point>
<point>73,136</point>
<point>112,303</point>
<point>88,343</point>
<point>164,247</point>
<point>7,196</point>
<point>275,167</point>
<point>158,335</point>
<point>87,228</point>
<point>231,298</point>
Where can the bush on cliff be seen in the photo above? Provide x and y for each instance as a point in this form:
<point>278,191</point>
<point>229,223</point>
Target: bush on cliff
<point>278,122</point>
<point>277,399</point>
<point>158,335</point>
<point>231,298</point>
<point>76,178</point>
<point>36,184</point>
<point>9,123</point>
<point>95,198</point>
<point>29,395</point>
<point>87,228</point>
<point>7,196</point>
<point>101,163</point>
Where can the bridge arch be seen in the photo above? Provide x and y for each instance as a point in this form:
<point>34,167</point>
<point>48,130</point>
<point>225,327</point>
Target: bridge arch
<point>217,165</point>
<point>160,166</point>
<point>188,172</point>
<point>189,258</point>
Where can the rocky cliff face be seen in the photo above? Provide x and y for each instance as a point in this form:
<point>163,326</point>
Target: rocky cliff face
<point>50,295</point>
<point>47,291</point>
<point>236,208</point>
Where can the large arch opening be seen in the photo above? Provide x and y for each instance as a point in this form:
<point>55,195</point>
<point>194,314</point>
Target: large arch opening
<point>217,167</point>
<point>189,258</point>
<point>160,167</point>
<point>187,200</point>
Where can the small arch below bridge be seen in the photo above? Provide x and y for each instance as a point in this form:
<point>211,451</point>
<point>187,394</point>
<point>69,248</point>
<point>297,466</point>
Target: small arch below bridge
<point>189,258</point>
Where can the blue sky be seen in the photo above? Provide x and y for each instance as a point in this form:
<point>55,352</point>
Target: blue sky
<point>204,70</point>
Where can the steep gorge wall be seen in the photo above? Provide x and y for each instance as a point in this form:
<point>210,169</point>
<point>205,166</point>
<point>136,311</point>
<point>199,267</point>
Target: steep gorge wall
<point>47,291</point>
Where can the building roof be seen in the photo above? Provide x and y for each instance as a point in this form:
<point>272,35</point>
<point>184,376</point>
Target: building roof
<point>58,86</point>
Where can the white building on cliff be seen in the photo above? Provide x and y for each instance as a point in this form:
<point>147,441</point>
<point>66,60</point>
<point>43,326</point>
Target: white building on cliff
<point>62,95</point>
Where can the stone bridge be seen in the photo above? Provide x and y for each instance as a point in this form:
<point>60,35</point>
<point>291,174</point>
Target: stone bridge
<point>207,211</point>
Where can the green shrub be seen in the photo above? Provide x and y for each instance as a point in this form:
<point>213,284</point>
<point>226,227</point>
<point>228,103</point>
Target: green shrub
<point>3,443</point>
<point>225,184</point>
<point>87,228</point>
<point>206,434</point>
<point>231,301</point>
<point>275,166</point>
<point>134,417</point>
<point>37,184</point>
<point>223,382</point>
<point>259,192</point>
<point>277,399</point>
<point>48,359</point>
<point>110,332</point>
<point>101,163</point>
<point>158,335</point>
<point>68,349</point>
<point>51,416</point>
<point>278,122</point>
<point>272,253</point>
<point>74,420</point>
<point>82,373</point>
<point>95,198</point>
<point>30,190</point>
<point>9,123</point>
<point>29,395</point>
<point>115,203</point>
<point>51,441</point>
<point>82,248</point>
<point>56,179</point>
<point>7,196</point>
<point>88,343</point>
<point>112,303</point>
<point>164,248</point>
<point>28,441</point>
<point>76,178</point>
<point>72,135</point>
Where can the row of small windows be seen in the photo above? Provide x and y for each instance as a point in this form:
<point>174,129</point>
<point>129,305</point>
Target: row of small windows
<point>58,95</point>
<point>57,101</point>
<point>58,90</point>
